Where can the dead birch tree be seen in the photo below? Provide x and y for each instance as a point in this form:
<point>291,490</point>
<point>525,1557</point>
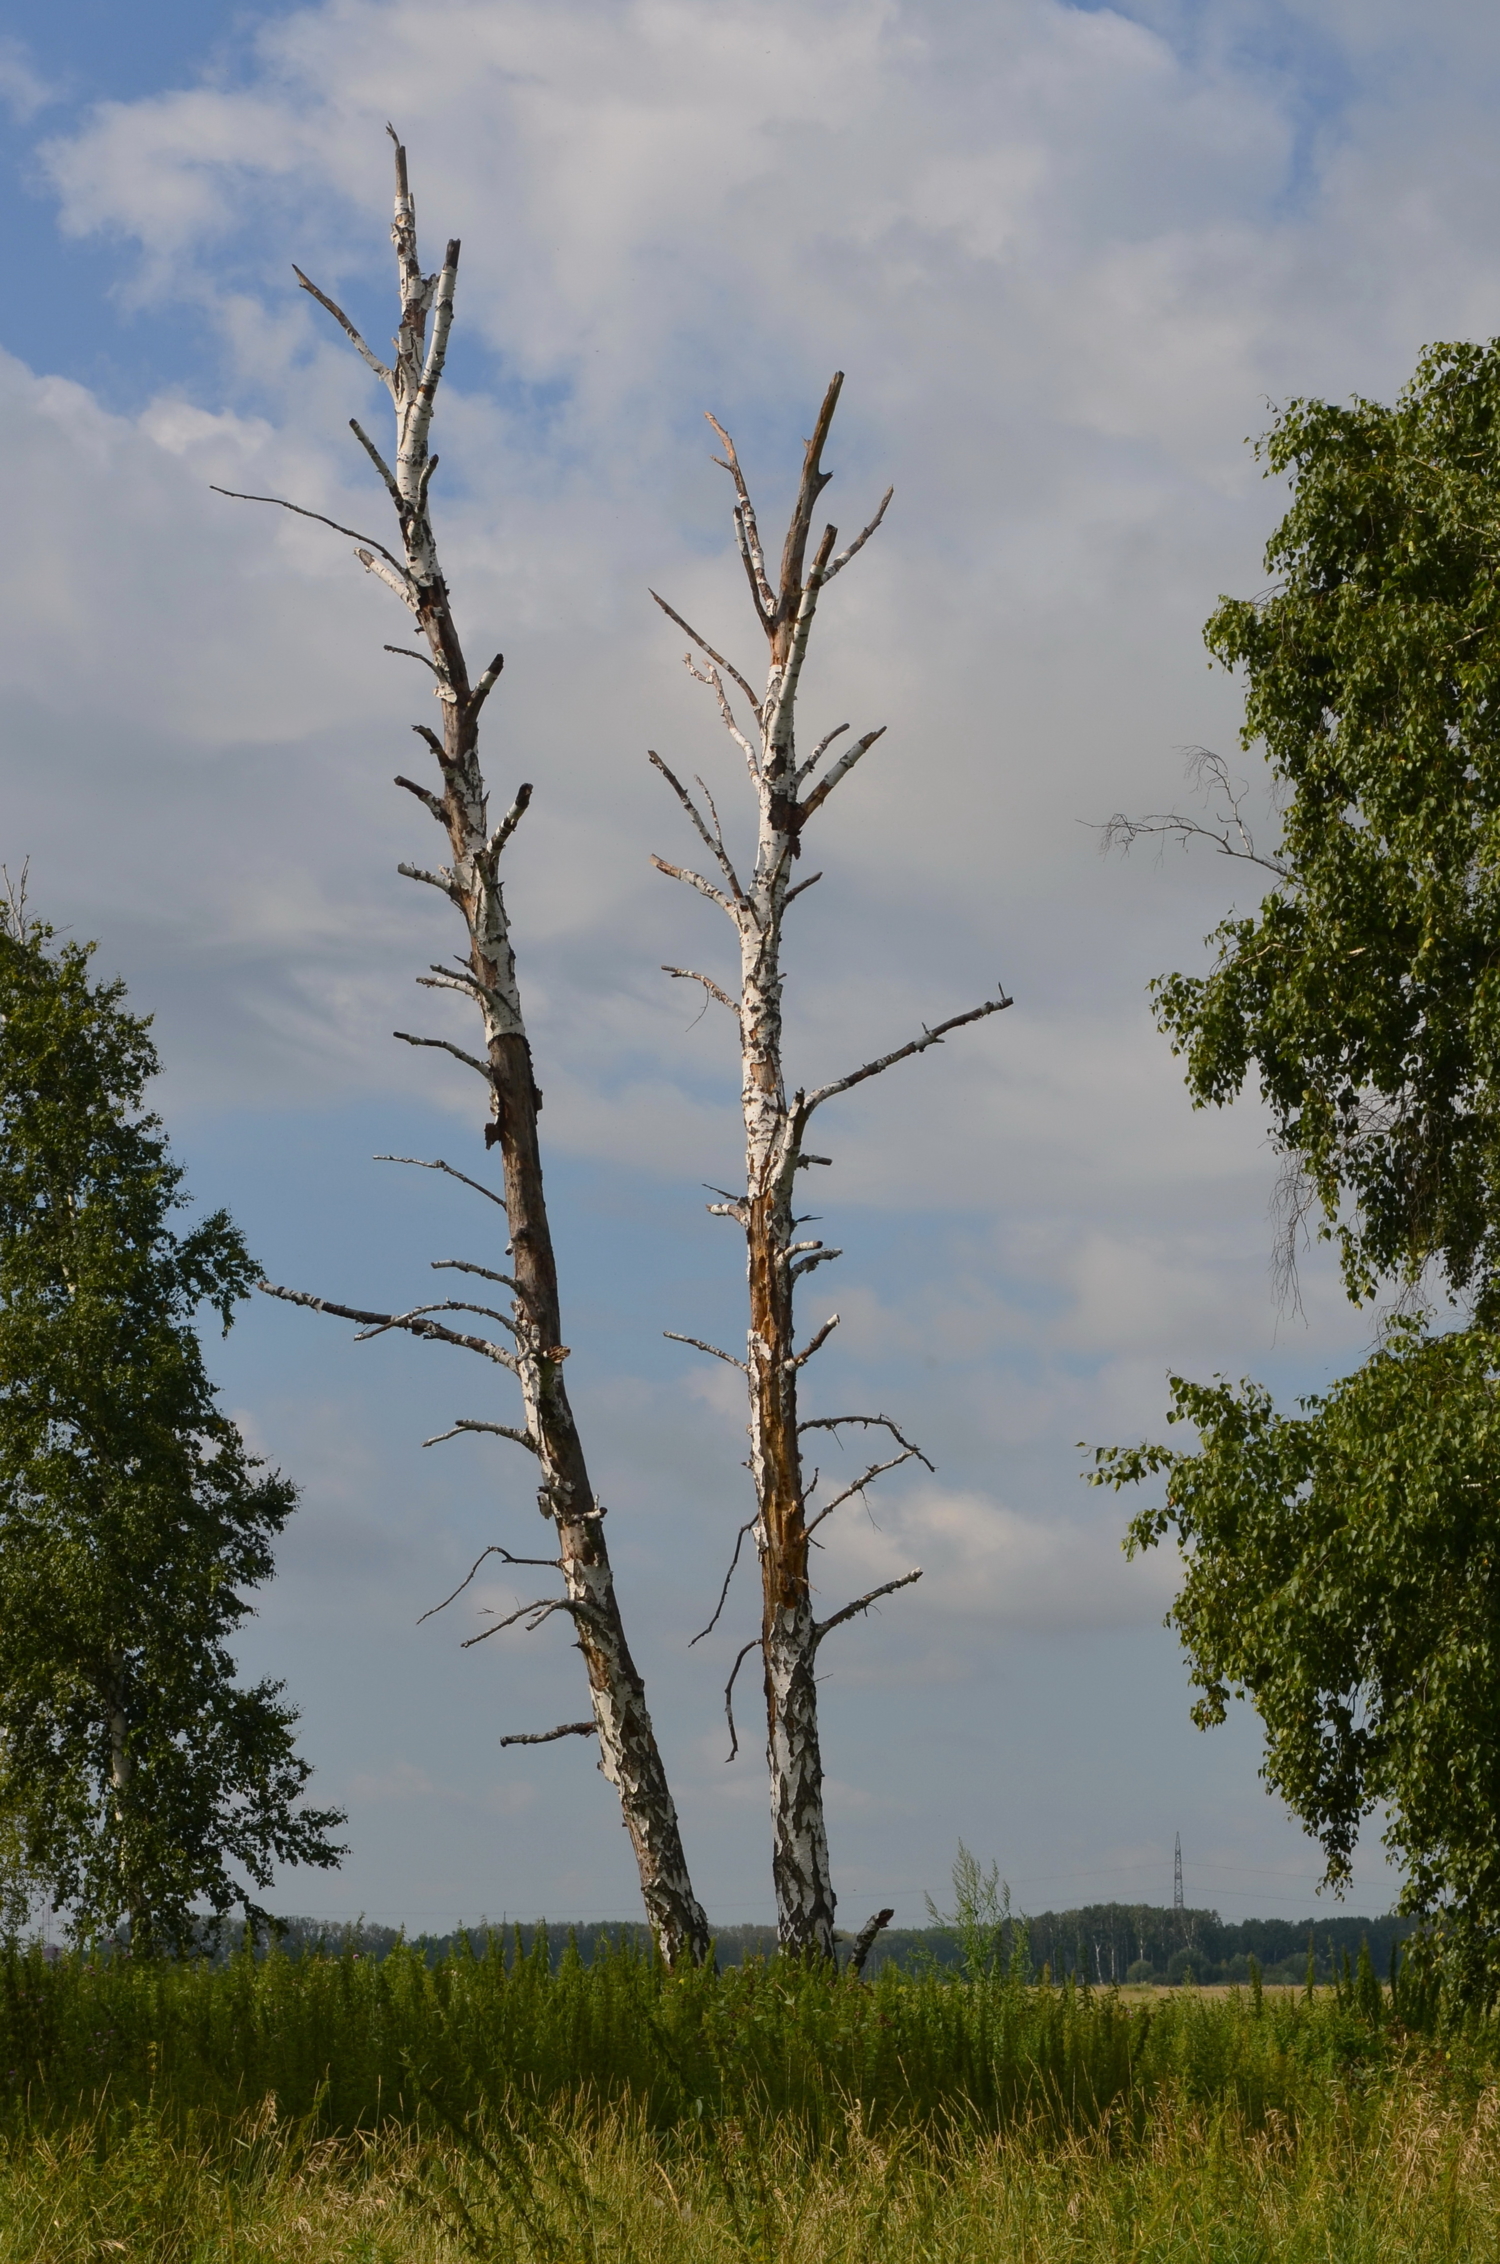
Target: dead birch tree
<point>484,974</point>
<point>788,794</point>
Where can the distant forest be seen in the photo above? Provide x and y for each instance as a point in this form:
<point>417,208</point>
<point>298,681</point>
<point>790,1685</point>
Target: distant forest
<point>1103,1943</point>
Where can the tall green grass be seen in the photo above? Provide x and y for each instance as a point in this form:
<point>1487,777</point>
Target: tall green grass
<point>352,2043</point>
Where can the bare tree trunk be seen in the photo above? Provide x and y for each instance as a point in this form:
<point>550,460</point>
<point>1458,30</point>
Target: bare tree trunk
<point>628,1752</point>
<point>775,1152</point>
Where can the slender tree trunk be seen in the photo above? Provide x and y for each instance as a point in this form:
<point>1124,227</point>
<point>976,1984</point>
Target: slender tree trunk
<point>788,794</point>
<point>628,1751</point>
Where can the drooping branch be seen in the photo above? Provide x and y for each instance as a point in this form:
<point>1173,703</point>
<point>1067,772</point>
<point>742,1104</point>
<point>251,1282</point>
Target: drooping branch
<point>302,512</point>
<point>714,990</point>
<point>747,1527</point>
<point>869,1422</point>
<point>546,1563</point>
<point>1230,836</point>
<point>734,1735</point>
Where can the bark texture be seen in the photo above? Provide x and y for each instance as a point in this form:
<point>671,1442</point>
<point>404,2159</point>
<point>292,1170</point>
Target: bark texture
<point>788,792</point>
<point>486,976</point>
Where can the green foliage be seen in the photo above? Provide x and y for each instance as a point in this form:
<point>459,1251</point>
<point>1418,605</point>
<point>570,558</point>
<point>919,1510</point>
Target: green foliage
<point>991,1937</point>
<point>1366,989</point>
<point>349,2041</point>
<point>133,1770</point>
<point>1343,1571</point>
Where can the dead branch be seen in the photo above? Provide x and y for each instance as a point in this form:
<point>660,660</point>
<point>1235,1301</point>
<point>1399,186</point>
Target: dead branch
<point>715,682</point>
<point>434,1330</point>
<point>445,1045</point>
<point>713,842</point>
<point>486,1273</point>
<point>694,880</point>
<point>745,526</point>
<point>699,1346</point>
<point>691,975</point>
<point>840,769</point>
<point>747,1527</point>
<point>507,825</point>
<point>433,803</point>
<point>876,1470</point>
<point>409,652</point>
<point>805,770</point>
<point>442,880</point>
<point>533,1614</point>
<point>1231,837</point>
<point>837,565</point>
<point>500,1431</point>
<point>282,504</point>
<point>716,657</point>
<point>869,1422</point>
<point>444,1305</point>
<point>734,1735</point>
<point>864,1942</point>
<point>800,1359</point>
<point>438,1165</point>
<point>346,326</point>
<point>863,1603</point>
<point>903,1053</point>
<point>546,1563</point>
<point>547,1736</point>
<point>818,1257</point>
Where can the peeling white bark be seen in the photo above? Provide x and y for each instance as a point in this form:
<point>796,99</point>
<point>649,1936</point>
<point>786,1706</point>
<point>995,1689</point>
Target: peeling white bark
<point>775,1126</point>
<point>628,1752</point>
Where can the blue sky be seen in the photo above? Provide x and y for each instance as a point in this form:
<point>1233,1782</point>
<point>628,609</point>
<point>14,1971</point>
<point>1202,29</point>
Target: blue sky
<point>1066,256</point>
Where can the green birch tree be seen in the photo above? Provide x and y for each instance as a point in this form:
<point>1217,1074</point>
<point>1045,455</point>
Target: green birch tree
<point>140,1785</point>
<point>1342,1566</point>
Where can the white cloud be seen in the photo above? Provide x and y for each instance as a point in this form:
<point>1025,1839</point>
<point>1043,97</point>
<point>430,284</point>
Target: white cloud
<point>22,88</point>
<point>992,1569</point>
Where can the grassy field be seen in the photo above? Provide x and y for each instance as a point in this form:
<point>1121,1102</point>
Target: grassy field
<point>395,2113</point>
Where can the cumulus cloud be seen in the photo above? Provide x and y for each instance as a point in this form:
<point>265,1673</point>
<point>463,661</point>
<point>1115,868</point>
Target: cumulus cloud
<point>993,1570</point>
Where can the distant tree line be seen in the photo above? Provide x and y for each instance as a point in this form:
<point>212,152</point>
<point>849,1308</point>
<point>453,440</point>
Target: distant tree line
<point>1104,1942</point>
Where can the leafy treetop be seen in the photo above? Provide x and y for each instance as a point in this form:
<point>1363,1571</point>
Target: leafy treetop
<point>134,1772</point>
<point>1366,989</point>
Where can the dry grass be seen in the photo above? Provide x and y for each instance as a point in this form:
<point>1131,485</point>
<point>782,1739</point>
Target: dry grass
<point>1406,2177</point>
